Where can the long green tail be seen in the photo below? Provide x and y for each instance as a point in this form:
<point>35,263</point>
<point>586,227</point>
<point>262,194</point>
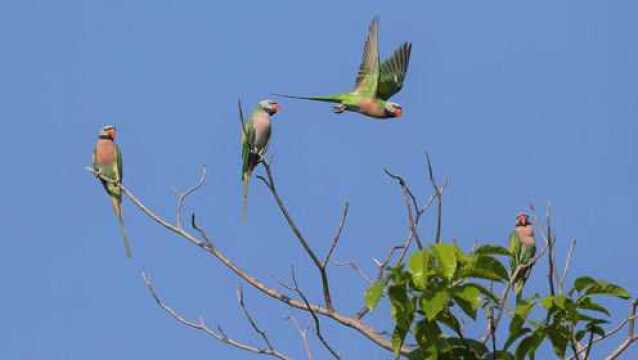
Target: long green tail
<point>117,208</point>
<point>337,98</point>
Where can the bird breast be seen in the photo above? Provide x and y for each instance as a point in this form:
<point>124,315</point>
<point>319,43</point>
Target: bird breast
<point>262,130</point>
<point>105,152</point>
<point>526,234</point>
<point>373,108</point>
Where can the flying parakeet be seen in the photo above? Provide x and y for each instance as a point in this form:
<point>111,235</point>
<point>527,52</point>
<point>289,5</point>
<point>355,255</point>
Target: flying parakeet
<point>376,82</point>
<point>523,249</point>
<point>107,161</point>
<point>255,135</point>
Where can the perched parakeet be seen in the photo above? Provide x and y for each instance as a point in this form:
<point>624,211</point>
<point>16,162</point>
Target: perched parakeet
<point>376,82</point>
<point>255,136</point>
<point>523,249</point>
<point>107,161</point>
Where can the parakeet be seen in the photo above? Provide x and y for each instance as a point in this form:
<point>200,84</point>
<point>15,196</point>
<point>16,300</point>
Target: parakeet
<point>376,82</point>
<point>255,136</point>
<point>107,161</point>
<point>523,249</point>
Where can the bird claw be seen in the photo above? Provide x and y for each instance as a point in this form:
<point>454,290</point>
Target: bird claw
<point>338,109</point>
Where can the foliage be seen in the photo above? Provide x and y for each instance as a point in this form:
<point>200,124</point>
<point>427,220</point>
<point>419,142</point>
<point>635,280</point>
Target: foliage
<point>443,287</point>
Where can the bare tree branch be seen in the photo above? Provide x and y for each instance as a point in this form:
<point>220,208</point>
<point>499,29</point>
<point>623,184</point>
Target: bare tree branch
<point>207,246</point>
<point>218,335</point>
<point>270,184</point>
<point>616,329</point>
<point>631,334</point>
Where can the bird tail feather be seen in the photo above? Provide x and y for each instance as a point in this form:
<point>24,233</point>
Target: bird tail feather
<point>329,98</point>
<point>117,208</point>
<point>244,205</point>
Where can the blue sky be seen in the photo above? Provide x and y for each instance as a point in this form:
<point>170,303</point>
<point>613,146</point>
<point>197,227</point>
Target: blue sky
<point>516,102</point>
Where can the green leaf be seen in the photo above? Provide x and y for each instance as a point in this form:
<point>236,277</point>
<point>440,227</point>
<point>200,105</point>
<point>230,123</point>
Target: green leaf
<point>529,344</point>
<point>468,297</point>
<point>583,282</point>
<point>592,286</point>
<point>459,348</point>
<point>559,337</point>
<point>587,304</point>
<point>604,288</point>
<point>492,250</point>
<point>515,335</point>
<point>434,304</point>
<point>418,268</point>
<point>373,294</point>
<point>446,254</point>
<point>486,267</point>
<point>548,302</point>
<point>523,308</point>
<point>428,335</point>
<point>402,313</point>
<point>449,320</point>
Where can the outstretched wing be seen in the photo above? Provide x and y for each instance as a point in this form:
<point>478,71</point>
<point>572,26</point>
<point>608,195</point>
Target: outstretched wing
<point>368,76</point>
<point>392,72</point>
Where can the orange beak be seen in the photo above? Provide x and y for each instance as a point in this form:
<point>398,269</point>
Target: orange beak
<point>112,133</point>
<point>398,112</point>
<point>276,107</point>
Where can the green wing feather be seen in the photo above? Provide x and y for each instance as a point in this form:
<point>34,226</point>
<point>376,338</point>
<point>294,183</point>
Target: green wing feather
<point>368,75</point>
<point>249,160</point>
<point>393,70</point>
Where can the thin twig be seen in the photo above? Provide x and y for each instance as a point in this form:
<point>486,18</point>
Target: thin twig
<point>439,197</point>
<point>181,197</point>
<point>549,237</point>
<point>589,344</point>
<point>408,197</point>
<point>354,267</point>
<point>304,336</point>
<point>568,262</point>
<point>314,317</point>
<point>201,326</point>
<point>253,323</point>
<point>337,236</point>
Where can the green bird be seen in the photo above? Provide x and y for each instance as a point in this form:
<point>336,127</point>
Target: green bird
<point>376,82</point>
<point>522,246</point>
<point>255,136</point>
<point>107,162</point>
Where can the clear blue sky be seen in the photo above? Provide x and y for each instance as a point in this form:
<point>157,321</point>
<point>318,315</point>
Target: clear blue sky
<point>517,102</point>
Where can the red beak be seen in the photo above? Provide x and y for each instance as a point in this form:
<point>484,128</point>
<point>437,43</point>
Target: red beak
<point>398,112</point>
<point>276,107</point>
